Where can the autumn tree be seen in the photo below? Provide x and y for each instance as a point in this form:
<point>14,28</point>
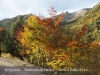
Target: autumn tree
<point>45,42</point>
<point>41,35</point>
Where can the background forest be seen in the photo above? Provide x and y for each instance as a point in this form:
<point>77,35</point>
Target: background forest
<point>54,42</point>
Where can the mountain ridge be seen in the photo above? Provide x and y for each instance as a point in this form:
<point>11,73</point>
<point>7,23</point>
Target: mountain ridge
<point>76,14</point>
<point>66,14</point>
<point>69,18</point>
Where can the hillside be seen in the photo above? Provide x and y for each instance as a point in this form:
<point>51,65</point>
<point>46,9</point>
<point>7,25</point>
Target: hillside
<point>90,16</point>
<point>9,22</point>
<point>92,20</point>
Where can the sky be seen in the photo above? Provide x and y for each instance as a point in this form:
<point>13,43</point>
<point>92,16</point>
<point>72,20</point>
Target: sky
<point>12,8</point>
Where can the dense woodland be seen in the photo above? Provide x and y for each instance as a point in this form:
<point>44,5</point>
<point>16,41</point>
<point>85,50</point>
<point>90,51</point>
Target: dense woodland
<point>51,43</point>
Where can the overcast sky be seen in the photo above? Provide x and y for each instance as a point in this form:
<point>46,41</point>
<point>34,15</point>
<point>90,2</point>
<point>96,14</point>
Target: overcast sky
<point>12,8</point>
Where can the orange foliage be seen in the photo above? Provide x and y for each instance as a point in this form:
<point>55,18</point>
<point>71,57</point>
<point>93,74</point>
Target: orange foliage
<point>78,37</point>
<point>95,45</point>
<point>85,45</point>
<point>1,29</point>
<point>81,33</point>
<point>72,43</point>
